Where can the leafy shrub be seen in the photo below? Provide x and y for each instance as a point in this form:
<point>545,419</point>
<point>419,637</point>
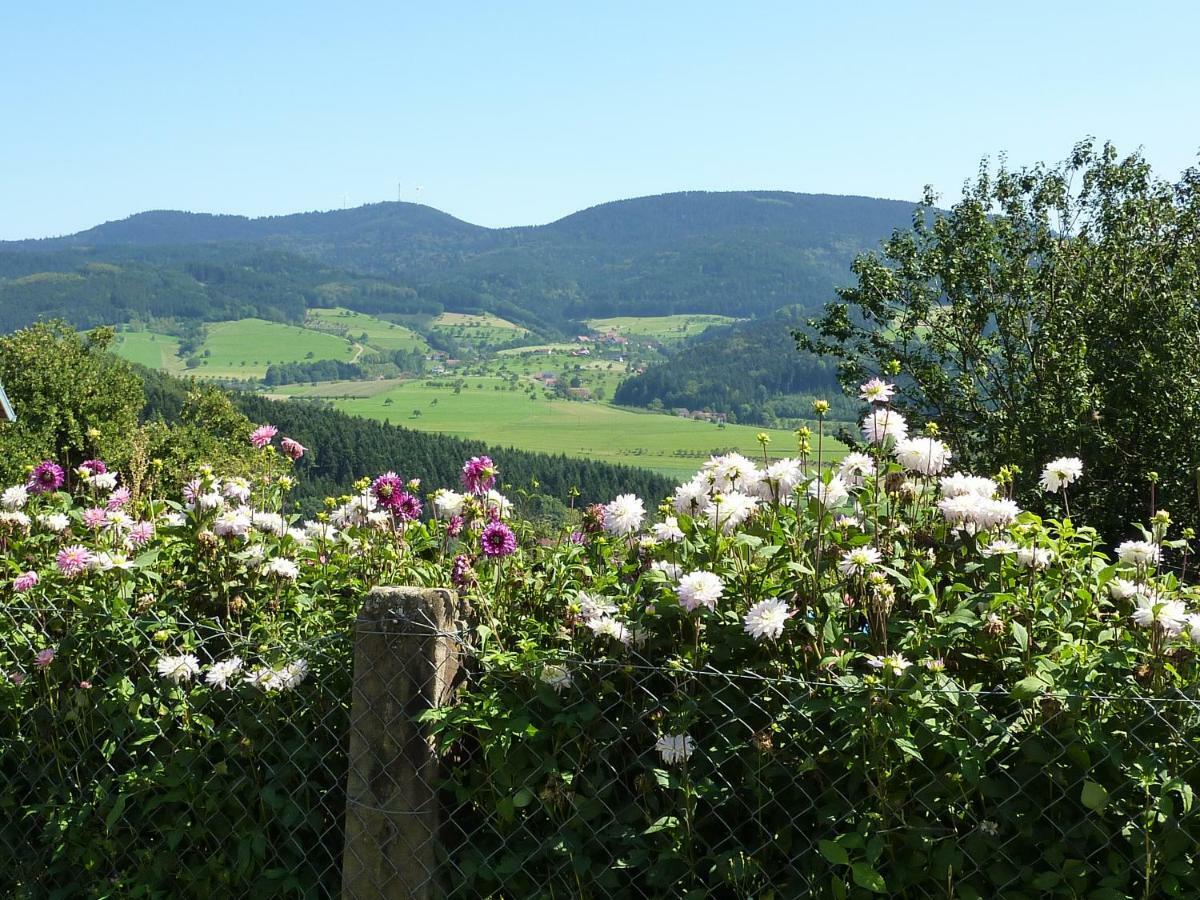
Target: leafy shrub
<point>843,679</point>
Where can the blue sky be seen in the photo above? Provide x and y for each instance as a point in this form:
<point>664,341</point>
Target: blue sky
<point>521,112</point>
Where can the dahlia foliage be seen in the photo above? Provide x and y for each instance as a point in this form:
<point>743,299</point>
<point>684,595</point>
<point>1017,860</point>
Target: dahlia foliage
<point>769,622</point>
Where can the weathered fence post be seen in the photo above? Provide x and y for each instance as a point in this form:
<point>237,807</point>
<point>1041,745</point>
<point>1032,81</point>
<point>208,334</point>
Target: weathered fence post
<point>406,659</point>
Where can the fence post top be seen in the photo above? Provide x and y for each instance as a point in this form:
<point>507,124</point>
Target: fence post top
<point>397,604</point>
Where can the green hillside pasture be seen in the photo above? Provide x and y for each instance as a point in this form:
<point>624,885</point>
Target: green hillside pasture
<point>244,349</point>
<point>487,410</point>
<point>150,349</point>
<point>480,331</point>
<point>658,328</point>
<point>381,335</point>
<point>595,372</point>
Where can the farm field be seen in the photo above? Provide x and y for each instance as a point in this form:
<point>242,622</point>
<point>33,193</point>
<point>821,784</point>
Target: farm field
<point>150,349</point>
<point>478,331</point>
<point>245,348</point>
<point>485,409</point>
<point>659,328</point>
<point>381,335</point>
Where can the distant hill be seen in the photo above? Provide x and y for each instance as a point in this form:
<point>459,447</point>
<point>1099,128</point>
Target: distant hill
<point>743,253</point>
<point>751,372</point>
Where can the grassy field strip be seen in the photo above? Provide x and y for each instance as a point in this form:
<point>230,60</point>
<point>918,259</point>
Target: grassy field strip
<point>660,328</point>
<point>150,349</point>
<point>491,413</point>
<point>381,335</point>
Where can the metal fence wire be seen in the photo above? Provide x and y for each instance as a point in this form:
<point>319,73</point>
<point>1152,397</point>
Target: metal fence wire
<point>554,775</point>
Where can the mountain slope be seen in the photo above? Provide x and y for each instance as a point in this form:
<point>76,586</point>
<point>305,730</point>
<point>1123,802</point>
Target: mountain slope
<point>743,253</point>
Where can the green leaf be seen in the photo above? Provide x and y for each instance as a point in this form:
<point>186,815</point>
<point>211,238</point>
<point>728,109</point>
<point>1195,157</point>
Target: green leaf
<point>115,813</point>
<point>835,853</point>
<point>866,877</point>
<point>523,798</point>
<point>662,825</point>
<point>1022,635</point>
<point>1094,796</point>
<point>1030,687</point>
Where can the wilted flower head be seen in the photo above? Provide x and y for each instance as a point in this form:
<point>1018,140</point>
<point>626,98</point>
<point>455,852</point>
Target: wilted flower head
<point>262,435</point>
<point>293,449</point>
<point>47,476</point>
<point>44,657</point>
<point>624,515</point>
<point>1061,473</point>
<point>766,619</point>
<point>674,748</point>
<point>1121,588</point>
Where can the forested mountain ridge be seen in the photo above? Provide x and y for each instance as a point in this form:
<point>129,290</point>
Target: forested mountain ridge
<point>743,253</point>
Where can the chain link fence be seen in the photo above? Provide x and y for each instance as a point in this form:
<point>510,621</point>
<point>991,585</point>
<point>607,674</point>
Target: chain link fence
<point>116,780</point>
<point>554,775</point>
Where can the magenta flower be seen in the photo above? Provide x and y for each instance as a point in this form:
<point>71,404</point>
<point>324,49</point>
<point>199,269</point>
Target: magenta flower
<point>95,466</point>
<point>262,435</point>
<point>140,533</point>
<point>407,507</point>
<point>46,477</point>
<point>25,581</point>
<point>292,448</point>
<point>73,560</point>
<point>498,540</point>
<point>479,474</point>
<point>95,517</point>
<point>387,489</point>
<point>118,498</point>
<point>455,526</point>
<point>462,575</point>
<point>577,537</point>
<point>44,658</point>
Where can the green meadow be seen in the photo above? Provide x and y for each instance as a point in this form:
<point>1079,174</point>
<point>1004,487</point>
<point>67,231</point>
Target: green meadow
<point>381,335</point>
<point>658,328</point>
<point>479,331</point>
<point>486,409</point>
<point>245,348</point>
<point>149,349</point>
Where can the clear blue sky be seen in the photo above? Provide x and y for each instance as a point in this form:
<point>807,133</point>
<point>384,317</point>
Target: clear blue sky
<point>520,112</point>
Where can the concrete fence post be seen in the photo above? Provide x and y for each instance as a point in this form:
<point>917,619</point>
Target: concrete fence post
<point>407,658</point>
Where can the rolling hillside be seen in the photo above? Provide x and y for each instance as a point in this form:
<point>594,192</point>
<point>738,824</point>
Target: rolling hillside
<point>741,254</point>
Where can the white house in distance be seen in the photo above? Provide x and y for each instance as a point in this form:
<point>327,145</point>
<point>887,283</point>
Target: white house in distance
<point>5,407</point>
